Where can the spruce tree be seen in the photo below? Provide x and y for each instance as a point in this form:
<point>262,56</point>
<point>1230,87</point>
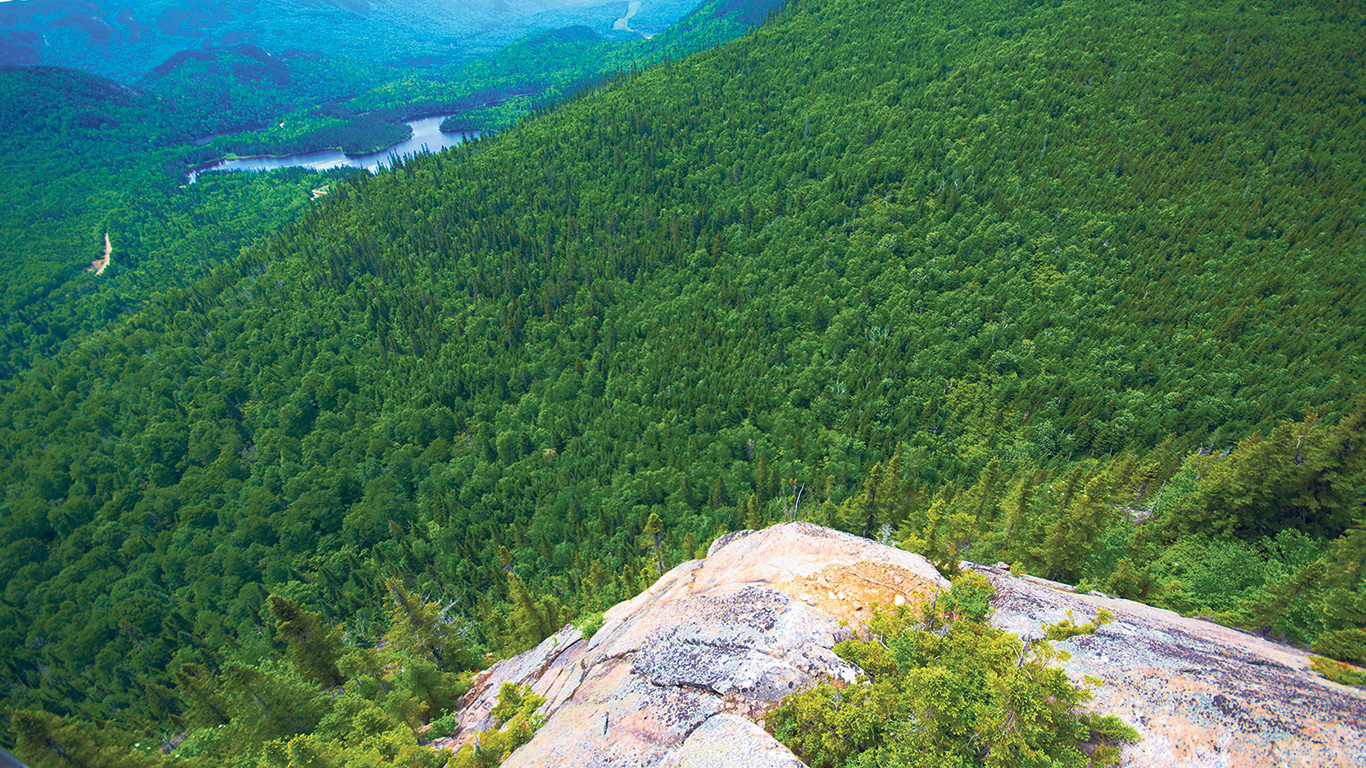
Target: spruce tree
<point>651,538</point>
<point>313,648</point>
<point>423,628</point>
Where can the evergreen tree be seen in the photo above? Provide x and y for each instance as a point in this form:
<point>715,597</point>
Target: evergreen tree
<point>652,537</point>
<point>313,649</point>
<point>200,690</point>
<point>423,629</point>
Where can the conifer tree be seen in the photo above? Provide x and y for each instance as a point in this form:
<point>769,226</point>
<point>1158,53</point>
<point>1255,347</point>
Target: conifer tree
<point>753,520</point>
<point>871,486</point>
<point>162,704</point>
<point>651,538</point>
<point>270,700</point>
<point>532,620</point>
<point>48,741</point>
<point>438,691</point>
<point>423,629</point>
<point>938,532</point>
<point>200,690</point>
<point>717,499</point>
<point>313,648</point>
<point>1073,533</point>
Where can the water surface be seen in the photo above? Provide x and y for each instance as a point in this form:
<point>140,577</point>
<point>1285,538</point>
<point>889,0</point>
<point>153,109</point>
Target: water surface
<point>427,137</point>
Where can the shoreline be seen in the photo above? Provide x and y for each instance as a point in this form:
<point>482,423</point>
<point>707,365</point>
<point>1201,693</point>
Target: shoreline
<point>406,121</point>
<point>192,173</point>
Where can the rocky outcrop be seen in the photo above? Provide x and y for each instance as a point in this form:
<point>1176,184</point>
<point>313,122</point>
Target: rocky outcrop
<point>674,676</point>
<point>1198,694</point>
<point>725,741</point>
<point>670,676</point>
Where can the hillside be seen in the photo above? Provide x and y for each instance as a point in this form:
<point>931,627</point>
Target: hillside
<point>990,281</point>
<point>83,155</point>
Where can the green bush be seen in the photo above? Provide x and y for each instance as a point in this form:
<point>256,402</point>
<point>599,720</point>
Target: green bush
<point>946,688</point>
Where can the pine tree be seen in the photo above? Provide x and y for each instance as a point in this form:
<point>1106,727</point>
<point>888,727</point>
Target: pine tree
<point>438,691</point>
<point>763,481</point>
<point>423,629</point>
<point>532,620</point>
<point>870,499</point>
<point>45,740</point>
<point>718,494</point>
<point>651,538</point>
<point>162,703</point>
<point>271,700</point>
<point>1074,532</point>
<point>313,648</point>
<point>753,520</point>
<point>939,535</point>
<point>202,694</point>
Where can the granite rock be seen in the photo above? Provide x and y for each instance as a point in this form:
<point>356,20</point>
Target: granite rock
<point>712,642</point>
<point>1199,694</point>
<point>676,675</point>
<point>726,741</point>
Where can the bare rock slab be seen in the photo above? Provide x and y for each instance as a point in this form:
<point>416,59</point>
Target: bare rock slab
<point>726,741</point>
<point>712,642</point>
<point>1199,694</point>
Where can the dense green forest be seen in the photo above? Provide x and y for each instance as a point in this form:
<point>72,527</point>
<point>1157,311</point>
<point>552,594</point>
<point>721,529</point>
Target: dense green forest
<point>83,156</point>
<point>1066,285</point>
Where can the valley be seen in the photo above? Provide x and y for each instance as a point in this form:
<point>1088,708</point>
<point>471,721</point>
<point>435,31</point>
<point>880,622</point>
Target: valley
<point>1069,288</point>
<point>89,154</point>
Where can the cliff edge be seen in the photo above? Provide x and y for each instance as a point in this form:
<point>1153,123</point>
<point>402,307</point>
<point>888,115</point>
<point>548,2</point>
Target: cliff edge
<point>675,675</point>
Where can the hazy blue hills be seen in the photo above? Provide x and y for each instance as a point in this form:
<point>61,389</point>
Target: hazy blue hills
<point>125,40</point>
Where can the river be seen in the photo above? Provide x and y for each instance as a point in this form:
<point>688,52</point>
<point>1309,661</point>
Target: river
<point>427,137</point>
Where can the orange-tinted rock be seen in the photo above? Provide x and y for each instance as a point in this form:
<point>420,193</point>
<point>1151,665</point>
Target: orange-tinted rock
<point>754,621</point>
<point>673,674</point>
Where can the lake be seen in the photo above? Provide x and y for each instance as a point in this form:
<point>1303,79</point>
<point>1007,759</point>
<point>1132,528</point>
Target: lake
<point>427,137</point>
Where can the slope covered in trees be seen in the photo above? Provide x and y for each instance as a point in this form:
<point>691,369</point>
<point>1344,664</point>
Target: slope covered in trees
<point>83,155</point>
<point>982,278</point>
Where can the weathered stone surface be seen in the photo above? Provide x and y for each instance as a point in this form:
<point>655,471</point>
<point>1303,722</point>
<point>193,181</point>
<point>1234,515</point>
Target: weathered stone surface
<point>1198,694</point>
<point>546,662</point>
<point>753,622</point>
<point>674,674</point>
<point>727,741</point>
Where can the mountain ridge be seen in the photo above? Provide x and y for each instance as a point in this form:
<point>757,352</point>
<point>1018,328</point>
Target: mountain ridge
<point>964,276</point>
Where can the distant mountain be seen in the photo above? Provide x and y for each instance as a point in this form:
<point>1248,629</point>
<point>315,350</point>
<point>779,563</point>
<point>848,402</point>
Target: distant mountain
<point>126,39</point>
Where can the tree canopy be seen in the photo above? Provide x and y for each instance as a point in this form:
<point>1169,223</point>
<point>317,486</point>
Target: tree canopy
<point>991,280</point>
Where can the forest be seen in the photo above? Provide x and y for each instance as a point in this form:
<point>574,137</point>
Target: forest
<point>83,155</point>
<point>1070,286</point>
